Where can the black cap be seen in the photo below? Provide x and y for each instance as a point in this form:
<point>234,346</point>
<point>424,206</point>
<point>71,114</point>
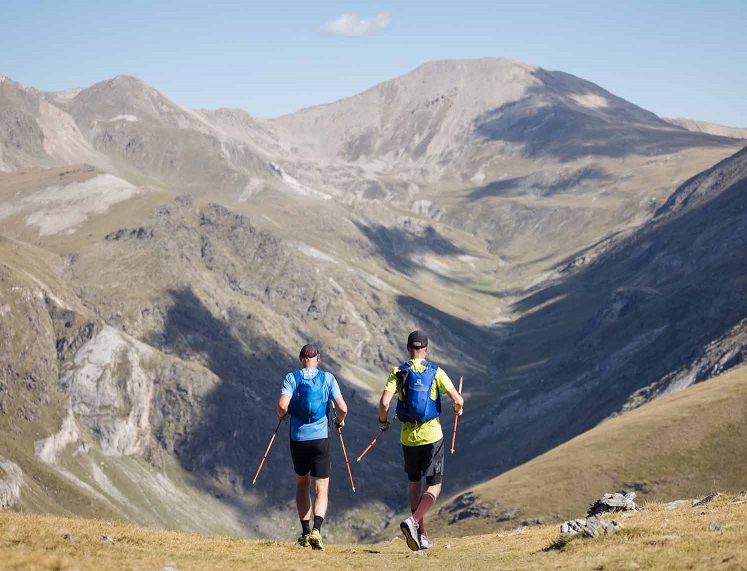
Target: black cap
<point>308,351</point>
<point>417,340</point>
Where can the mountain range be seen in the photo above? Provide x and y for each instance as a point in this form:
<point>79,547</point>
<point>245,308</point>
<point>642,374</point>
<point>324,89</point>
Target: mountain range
<point>572,255</point>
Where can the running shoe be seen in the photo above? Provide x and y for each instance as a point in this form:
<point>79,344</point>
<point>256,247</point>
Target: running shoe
<point>425,543</point>
<point>409,528</point>
<point>315,539</point>
<point>303,540</point>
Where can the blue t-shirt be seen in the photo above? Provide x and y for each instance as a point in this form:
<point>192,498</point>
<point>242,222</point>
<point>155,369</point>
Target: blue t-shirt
<point>310,430</point>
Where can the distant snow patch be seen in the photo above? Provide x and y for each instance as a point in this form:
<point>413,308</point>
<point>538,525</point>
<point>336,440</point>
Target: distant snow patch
<point>130,118</point>
<point>590,100</point>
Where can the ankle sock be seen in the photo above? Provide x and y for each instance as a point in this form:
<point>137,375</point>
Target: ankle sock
<point>305,528</point>
<point>318,521</point>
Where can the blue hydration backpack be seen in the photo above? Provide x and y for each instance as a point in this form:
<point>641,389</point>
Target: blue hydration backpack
<point>310,401</point>
<point>415,402</point>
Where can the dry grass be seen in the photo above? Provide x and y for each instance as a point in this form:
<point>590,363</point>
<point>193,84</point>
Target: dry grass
<point>655,538</point>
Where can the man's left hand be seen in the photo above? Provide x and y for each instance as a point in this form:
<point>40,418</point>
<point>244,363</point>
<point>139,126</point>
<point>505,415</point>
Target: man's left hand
<point>458,411</point>
<point>339,423</point>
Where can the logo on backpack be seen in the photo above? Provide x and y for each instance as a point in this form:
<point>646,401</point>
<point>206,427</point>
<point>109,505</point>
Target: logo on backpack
<point>414,394</point>
<point>310,400</point>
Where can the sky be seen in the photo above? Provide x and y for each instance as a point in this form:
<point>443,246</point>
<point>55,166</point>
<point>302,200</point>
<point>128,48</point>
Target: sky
<point>676,58</point>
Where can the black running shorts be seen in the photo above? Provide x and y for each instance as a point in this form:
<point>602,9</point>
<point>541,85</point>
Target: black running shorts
<point>311,456</point>
<point>426,461</point>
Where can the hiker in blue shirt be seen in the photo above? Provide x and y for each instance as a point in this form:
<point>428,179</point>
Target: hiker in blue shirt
<point>305,396</point>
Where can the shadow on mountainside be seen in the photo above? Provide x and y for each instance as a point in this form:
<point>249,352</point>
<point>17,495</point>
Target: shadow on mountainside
<point>568,118</point>
<point>586,344</point>
<point>538,184</point>
<point>238,416</point>
<point>401,247</point>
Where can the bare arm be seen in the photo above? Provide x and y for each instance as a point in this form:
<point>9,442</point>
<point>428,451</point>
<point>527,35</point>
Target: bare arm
<point>342,408</point>
<point>457,398</point>
<point>282,407</point>
<point>386,399</point>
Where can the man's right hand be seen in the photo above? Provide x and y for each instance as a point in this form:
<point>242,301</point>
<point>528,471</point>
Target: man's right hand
<point>283,416</point>
<point>384,425</point>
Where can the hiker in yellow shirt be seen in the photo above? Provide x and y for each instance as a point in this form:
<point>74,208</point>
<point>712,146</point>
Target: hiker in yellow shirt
<point>419,385</point>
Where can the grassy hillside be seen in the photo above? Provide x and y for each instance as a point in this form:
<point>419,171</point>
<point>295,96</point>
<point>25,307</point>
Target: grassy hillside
<point>652,538</point>
<point>684,445</point>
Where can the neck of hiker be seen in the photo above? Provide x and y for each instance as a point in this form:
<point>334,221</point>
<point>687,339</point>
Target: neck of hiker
<point>417,353</point>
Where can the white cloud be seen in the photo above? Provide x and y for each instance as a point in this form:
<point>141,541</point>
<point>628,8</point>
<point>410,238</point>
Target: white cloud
<point>352,26</point>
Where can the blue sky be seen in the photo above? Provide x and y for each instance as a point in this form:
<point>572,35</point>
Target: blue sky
<point>677,58</point>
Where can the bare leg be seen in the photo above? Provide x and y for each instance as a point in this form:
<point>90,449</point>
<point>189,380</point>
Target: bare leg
<point>413,494</point>
<point>434,490</point>
<point>321,488</point>
<point>303,497</point>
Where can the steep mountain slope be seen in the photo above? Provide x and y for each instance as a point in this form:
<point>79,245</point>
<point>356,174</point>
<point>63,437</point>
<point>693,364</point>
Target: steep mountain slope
<point>686,445</point>
<point>624,328</point>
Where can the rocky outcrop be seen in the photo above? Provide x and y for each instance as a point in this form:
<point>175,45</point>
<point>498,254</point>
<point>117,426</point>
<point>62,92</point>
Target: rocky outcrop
<point>11,480</point>
<point>592,526</point>
<point>110,393</point>
<point>613,503</point>
<point>49,449</point>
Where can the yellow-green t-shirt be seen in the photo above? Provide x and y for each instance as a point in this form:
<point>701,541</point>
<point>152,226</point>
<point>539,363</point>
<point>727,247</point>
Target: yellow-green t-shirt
<point>429,431</point>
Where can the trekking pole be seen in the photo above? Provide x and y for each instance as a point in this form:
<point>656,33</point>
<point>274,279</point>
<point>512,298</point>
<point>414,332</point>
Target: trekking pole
<point>262,463</point>
<point>344,452</point>
<point>369,446</point>
<point>456,418</point>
